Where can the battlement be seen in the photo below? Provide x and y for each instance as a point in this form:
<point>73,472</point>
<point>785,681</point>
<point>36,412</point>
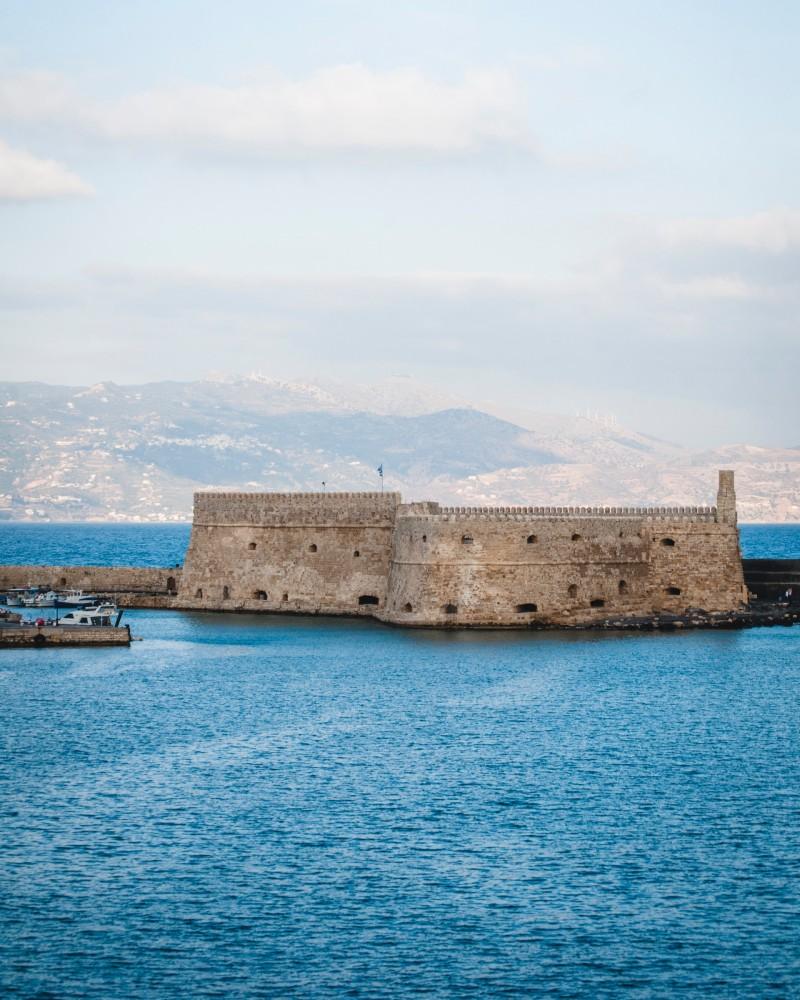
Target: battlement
<point>527,513</point>
<point>212,508</point>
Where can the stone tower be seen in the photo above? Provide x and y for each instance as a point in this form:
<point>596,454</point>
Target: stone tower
<point>726,498</point>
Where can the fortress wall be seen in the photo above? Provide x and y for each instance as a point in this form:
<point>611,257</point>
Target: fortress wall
<point>483,565</point>
<point>102,579</point>
<point>421,564</point>
<point>704,564</point>
<point>486,568</point>
<point>310,553</point>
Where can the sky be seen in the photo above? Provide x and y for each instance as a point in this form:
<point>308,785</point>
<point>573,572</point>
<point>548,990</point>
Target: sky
<point>559,207</point>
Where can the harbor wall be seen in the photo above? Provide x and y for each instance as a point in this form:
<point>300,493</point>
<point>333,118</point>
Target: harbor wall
<point>130,586</point>
<point>769,579</point>
<point>40,637</point>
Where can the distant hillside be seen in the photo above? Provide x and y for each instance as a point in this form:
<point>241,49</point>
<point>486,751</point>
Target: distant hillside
<point>120,452</point>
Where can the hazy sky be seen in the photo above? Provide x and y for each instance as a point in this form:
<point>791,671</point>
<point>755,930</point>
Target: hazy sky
<point>558,206</point>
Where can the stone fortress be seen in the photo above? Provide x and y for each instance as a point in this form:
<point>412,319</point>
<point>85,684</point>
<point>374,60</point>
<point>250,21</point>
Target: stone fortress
<point>421,564</point>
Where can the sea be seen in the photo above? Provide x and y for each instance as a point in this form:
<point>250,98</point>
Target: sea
<point>247,806</point>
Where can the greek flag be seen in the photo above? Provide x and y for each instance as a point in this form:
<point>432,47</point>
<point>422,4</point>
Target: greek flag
<point>380,470</point>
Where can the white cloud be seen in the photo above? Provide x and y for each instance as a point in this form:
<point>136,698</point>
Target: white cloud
<point>335,110</point>
<point>25,177</point>
<point>772,232</point>
<point>36,96</point>
<point>715,286</point>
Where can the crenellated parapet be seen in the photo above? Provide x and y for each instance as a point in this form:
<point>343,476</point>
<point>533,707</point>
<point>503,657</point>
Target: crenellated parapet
<point>285,509</point>
<point>526,513</point>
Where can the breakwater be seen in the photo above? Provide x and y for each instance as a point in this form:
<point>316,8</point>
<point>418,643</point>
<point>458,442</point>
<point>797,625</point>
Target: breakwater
<point>131,587</point>
<point>42,636</point>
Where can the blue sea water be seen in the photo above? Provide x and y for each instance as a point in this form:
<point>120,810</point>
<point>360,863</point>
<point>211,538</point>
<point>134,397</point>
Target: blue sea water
<point>72,543</point>
<point>259,806</point>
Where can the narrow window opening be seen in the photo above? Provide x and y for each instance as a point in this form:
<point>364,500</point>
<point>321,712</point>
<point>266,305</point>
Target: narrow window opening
<point>356,554</point>
<point>466,539</point>
<point>63,581</point>
<point>252,546</point>
<point>526,608</point>
<point>171,588</point>
<point>260,595</point>
<point>198,593</point>
<point>673,591</point>
<point>312,547</point>
<point>668,542</point>
<point>226,593</point>
<point>572,590</point>
<point>407,608</point>
<point>368,599</point>
<point>598,602</point>
<point>532,539</point>
<point>576,537</point>
<point>424,538</point>
<point>622,587</point>
<point>451,609</point>
<point>285,597</point>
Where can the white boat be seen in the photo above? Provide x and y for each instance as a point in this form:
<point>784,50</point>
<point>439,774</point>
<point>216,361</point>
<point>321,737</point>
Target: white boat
<point>101,614</point>
<point>19,596</point>
<point>48,599</point>
<point>76,599</point>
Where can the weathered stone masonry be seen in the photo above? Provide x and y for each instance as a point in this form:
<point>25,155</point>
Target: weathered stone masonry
<point>422,564</point>
<point>324,553</point>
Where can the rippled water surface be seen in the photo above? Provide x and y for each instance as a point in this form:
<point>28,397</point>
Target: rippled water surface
<point>244,806</point>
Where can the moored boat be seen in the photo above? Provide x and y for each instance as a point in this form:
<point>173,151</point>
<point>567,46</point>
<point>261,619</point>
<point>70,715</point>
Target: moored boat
<point>76,599</point>
<point>101,614</point>
<point>18,597</point>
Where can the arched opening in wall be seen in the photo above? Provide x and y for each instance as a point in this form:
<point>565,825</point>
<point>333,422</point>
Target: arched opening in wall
<point>622,534</point>
<point>226,593</point>
<point>171,588</point>
<point>356,554</point>
<point>63,581</point>
<point>576,537</point>
<point>285,597</point>
<point>526,608</point>
<point>668,542</point>
<point>368,599</point>
<point>260,595</point>
<point>597,602</point>
<point>572,590</point>
<point>467,539</point>
<point>252,546</point>
<point>532,539</point>
<point>312,547</point>
<point>407,608</point>
<point>622,587</point>
<point>672,591</point>
<point>424,538</point>
<point>198,593</point>
<point>451,609</point>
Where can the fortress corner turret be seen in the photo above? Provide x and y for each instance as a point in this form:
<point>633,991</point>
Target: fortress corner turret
<point>726,498</point>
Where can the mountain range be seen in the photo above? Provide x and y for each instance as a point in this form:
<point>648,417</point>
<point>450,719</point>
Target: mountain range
<point>116,452</point>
